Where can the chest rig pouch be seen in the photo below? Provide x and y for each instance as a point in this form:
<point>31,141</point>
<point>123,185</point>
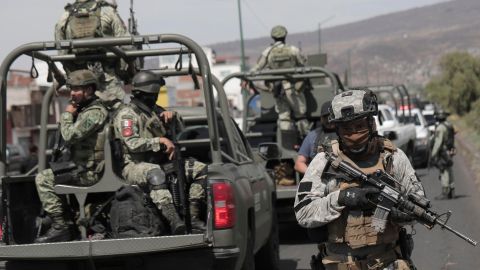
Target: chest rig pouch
<point>280,57</point>
<point>354,227</point>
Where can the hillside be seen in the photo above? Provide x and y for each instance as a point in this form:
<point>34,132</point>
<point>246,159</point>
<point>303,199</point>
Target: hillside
<point>401,47</point>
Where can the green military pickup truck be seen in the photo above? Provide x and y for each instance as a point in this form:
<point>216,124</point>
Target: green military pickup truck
<point>259,120</point>
<point>241,231</point>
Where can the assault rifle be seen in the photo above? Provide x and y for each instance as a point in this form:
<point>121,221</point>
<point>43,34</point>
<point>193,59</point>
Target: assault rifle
<point>132,22</point>
<point>416,206</point>
<point>182,185</point>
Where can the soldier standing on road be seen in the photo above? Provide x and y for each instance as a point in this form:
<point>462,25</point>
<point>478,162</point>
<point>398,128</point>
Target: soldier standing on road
<point>81,127</point>
<point>94,19</point>
<point>324,199</point>
<point>442,153</point>
<point>315,139</point>
<point>288,94</point>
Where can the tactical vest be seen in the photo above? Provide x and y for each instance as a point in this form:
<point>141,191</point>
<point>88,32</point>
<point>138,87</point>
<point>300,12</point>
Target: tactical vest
<point>89,152</point>
<point>281,56</point>
<point>354,227</point>
<point>84,20</point>
<point>150,126</point>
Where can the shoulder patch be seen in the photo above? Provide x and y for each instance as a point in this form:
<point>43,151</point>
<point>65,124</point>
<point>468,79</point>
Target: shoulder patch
<point>127,127</point>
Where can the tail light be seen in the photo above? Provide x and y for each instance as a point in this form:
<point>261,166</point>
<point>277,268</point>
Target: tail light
<point>224,205</point>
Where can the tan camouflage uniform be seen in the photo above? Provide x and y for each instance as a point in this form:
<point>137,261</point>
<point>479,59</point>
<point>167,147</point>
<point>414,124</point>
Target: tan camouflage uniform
<point>294,98</point>
<point>82,135</point>
<point>111,26</point>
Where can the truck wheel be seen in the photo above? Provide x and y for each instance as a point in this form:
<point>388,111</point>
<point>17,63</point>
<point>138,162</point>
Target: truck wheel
<point>268,257</point>
<point>249,261</point>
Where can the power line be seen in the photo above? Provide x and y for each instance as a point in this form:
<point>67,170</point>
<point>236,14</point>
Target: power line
<point>255,15</point>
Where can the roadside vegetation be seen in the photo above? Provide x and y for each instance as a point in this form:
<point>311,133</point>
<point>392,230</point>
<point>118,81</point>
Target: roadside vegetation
<point>457,90</point>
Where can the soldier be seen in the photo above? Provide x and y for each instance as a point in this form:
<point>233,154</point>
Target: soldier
<point>442,153</point>
<point>143,136</point>
<point>314,140</point>
<point>92,19</point>
<point>324,199</point>
<point>81,127</point>
<point>289,96</point>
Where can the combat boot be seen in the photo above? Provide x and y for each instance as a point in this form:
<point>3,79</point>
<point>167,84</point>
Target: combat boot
<point>58,232</point>
<point>198,226</point>
<point>444,195</point>
<point>451,193</point>
<point>177,226</point>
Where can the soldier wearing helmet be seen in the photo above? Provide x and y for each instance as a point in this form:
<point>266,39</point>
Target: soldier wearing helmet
<point>442,154</point>
<point>146,147</point>
<point>94,19</point>
<point>344,209</point>
<point>81,127</point>
<point>289,97</point>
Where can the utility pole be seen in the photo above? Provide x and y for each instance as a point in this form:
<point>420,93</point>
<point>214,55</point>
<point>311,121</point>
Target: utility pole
<point>320,32</point>
<point>242,46</point>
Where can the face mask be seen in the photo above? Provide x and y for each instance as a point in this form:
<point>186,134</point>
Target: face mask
<point>357,141</point>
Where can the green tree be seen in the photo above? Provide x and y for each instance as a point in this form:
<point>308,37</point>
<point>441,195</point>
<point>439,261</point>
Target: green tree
<point>458,85</point>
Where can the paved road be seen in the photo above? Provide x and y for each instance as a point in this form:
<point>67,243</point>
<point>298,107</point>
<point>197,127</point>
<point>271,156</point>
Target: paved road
<point>435,249</point>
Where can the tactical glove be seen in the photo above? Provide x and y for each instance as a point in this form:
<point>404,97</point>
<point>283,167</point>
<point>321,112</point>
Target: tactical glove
<point>357,198</point>
<point>398,216</point>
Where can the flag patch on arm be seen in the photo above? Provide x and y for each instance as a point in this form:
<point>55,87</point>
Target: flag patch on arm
<point>127,128</point>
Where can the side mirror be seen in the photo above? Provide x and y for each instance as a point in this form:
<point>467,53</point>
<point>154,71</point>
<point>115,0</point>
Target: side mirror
<point>391,135</point>
<point>269,151</point>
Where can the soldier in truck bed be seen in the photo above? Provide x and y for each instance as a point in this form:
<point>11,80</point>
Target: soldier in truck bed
<point>81,127</point>
<point>143,136</point>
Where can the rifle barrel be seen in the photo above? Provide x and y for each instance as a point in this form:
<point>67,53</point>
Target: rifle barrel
<point>457,233</point>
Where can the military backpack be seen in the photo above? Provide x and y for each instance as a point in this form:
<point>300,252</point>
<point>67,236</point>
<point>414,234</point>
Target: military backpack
<point>132,214</point>
<point>281,57</point>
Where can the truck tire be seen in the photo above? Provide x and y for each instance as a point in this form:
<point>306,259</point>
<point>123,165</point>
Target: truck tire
<point>268,257</point>
<point>249,261</point>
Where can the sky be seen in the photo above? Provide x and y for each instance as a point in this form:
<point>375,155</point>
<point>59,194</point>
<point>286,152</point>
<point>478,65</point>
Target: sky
<point>205,21</point>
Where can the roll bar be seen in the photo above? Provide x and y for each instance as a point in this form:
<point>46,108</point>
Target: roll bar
<point>113,46</point>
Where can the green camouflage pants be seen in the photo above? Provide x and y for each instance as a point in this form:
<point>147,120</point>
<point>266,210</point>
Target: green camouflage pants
<point>45,182</point>
<point>293,101</point>
<point>113,87</point>
<point>136,173</point>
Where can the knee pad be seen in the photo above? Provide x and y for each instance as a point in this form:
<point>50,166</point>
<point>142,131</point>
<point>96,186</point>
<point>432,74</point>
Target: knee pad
<point>156,179</point>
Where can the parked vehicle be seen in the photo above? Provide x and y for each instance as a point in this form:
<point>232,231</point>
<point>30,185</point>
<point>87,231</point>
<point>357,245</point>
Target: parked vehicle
<point>16,159</point>
<point>403,135</point>
<point>241,228</point>
<point>422,140</point>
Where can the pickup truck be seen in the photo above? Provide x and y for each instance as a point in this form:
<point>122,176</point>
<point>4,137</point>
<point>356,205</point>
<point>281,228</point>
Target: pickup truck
<point>403,135</point>
<point>260,121</point>
<point>241,231</point>
<point>422,141</point>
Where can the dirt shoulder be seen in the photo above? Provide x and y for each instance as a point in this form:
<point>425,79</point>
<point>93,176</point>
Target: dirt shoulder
<point>468,145</point>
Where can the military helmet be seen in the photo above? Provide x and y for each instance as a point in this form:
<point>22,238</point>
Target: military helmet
<point>279,31</point>
<point>441,115</point>
<point>325,111</point>
<point>82,77</point>
<point>146,82</point>
<point>353,104</point>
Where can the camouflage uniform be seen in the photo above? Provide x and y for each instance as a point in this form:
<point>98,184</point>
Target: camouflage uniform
<point>85,138</point>
<point>443,159</point>
<point>352,243</point>
<point>140,131</point>
<point>110,25</point>
<point>293,101</point>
